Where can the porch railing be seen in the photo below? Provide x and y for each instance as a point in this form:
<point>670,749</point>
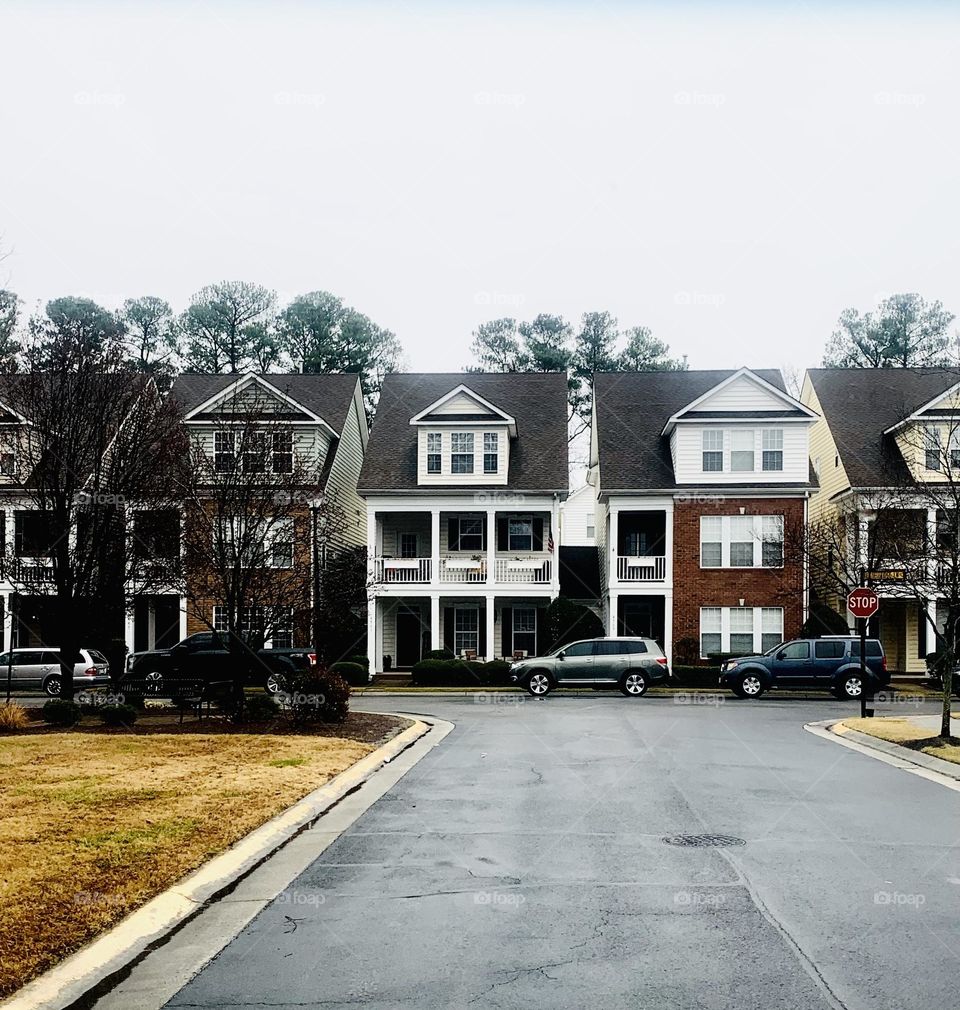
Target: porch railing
<point>402,570</point>
<point>535,570</point>
<point>467,570</point>
<point>650,568</point>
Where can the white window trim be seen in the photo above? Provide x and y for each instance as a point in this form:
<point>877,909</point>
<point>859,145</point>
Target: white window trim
<point>727,450</point>
<point>471,437</point>
<point>476,632</point>
<point>725,628</point>
<point>519,519</point>
<point>725,541</point>
<point>438,453</point>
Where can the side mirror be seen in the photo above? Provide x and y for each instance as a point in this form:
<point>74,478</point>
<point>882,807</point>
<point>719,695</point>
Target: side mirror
<point>180,648</point>
<point>561,655</point>
<point>780,655</point>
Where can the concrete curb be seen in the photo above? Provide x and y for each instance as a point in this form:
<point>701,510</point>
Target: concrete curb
<point>82,972</point>
<point>933,769</point>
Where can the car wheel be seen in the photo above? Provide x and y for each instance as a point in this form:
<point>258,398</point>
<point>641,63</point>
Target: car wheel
<point>750,686</point>
<point>633,685</point>
<point>851,687</point>
<point>153,682</point>
<point>276,683</point>
<point>53,686</point>
<point>539,684</point>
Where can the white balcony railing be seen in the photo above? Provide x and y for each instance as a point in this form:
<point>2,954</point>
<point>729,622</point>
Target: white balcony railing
<point>402,570</point>
<point>535,570</point>
<point>651,568</point>
<point>468,570</point>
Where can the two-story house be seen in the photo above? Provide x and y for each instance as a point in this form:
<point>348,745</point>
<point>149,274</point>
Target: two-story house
<point>463,480</point>
<point>883,436</point>
<point>313,422</point>
<point>702,477</point>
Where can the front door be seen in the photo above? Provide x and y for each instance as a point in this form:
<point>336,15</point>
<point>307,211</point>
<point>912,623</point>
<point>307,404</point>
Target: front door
<point>409,637</point>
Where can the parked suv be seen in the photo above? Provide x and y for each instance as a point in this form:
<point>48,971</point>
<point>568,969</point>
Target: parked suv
<point>41,668</point>
<point>830,663</point>
<point>632,664</point>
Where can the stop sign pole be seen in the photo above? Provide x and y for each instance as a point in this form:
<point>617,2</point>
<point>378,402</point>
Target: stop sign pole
<point>863,603</point>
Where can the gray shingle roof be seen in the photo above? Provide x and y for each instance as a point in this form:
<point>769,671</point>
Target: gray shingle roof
<point>633,407</point>
<point>861,403</point>
<point>538,402</point>
<point>328,395</point>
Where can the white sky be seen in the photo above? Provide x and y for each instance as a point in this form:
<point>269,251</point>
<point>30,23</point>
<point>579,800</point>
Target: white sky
<point>732,176</point>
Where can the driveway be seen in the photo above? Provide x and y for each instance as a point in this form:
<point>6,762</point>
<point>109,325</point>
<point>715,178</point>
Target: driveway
<point>523,864</point>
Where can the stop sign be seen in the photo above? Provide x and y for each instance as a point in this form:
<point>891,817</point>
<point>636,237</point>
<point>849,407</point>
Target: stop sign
<point>863,602</point>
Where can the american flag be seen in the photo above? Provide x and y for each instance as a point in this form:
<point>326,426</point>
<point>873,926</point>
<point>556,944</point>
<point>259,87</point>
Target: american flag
<point>550,542</point>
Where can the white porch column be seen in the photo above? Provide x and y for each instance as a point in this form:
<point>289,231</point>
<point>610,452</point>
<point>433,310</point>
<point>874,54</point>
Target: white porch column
<point>374,657</point>
<point>931,620</point>
<point>128,629</point>
<point>491,638</point>
<point>183,618</point>
<point>435,621</point>
<point>7,622</point>
<point>612,614</point>
<point>932,548</point>
<point>668,543</point>
<point>371,544</point>
<point>435,547</point>
<point>491,546</point>
<point>668,628</point>
<point>614,540</point>
<point>557,534</point>
<point>864,519</point>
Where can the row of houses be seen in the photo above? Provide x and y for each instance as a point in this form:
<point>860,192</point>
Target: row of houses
<point>699,485</point>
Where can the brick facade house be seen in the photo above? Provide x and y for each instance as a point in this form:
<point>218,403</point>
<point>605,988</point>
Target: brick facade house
<point>702,480</point>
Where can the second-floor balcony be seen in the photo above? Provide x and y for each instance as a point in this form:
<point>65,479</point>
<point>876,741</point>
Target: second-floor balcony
<point>641,546</point>
<point>642,568</point>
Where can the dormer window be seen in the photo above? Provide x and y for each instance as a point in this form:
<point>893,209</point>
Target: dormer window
<point>741,451</point>
<point>223,450</point>
<point>461,452</point>
<point>932,452</point>
<point>434,451</point>
<point>712,451</point>
<point>772,445</point>
<point>491,452</point>
<point>283,451</point>
<point>255,452</point>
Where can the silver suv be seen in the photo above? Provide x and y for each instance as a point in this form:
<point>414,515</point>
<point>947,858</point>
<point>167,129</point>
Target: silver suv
<point>632,664</point>
<point>41,668</point>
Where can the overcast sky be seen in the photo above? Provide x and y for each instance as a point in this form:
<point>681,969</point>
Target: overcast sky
<point>732,176</point>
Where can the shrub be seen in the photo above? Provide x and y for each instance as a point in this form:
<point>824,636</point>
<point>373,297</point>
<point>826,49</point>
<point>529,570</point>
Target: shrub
<point>696,676</point>
<point>60,712</point>
<point>460,673</point>
<point>318,695</point>
<point>567,621</point>
<point>12,717</point>
<point>440,654</point>
<point>259,708</point>
<point>686,651</point>
<point>353,673</point>
<point>360,661</point>
<point>117,715</point>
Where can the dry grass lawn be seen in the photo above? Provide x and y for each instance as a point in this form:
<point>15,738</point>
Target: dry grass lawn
<point>95,824</point>
<point>902,731</point>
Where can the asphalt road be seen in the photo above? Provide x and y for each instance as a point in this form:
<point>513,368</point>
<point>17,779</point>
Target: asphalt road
<point>522,864</point>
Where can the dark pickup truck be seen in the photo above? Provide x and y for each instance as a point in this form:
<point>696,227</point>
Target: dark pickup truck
<point>204,658</point>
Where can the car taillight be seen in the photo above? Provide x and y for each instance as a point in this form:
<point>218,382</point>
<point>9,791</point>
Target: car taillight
<point>91,671</point>
<point>883,662</point>
<point>662,660</point>
<point>312,658</point>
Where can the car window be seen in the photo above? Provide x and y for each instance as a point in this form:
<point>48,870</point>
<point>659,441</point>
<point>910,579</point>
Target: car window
<point>611,648</point>
<point>579,649</point>
<point>795,650</point>
<point>97,657</point>
<point>24,658</point>
<point>5,659</point>
<point>49,656</point>
<point>635,648</point>
<point>873,648</point>
<point>829,650</point>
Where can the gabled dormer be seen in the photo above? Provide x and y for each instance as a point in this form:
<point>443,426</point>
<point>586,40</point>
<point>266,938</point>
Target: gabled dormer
<point>463,438</point>
<point>929,437</point>
<point>742,431</point>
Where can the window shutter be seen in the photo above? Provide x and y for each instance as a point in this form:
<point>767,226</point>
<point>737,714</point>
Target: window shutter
<point>503,533</point>
<point>482,634</point>
<point>538,533</point>
<point>506,632</point>
<point>448,626</point>
<point>453,533</point>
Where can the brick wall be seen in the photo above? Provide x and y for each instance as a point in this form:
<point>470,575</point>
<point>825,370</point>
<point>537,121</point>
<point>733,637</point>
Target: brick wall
<point>696,587</point>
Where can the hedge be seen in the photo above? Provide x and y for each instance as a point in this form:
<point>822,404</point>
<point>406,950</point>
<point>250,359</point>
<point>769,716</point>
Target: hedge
<point>353,673</point>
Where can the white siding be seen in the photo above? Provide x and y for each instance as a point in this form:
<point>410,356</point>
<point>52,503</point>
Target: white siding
<point>344,472</point>
<point>478,477</point>
<point>743,394</point>
<point>310,442</point>
<point>577,514</point>
<point>687,449</point>
<point>461,404</point>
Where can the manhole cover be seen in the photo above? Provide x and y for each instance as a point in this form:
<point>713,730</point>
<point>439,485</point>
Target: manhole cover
<point>704,841</point>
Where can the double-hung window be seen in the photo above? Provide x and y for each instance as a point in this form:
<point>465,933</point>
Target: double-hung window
<point>712,451</point>
<point>491,452</point>
<point>466,630</point>
<point>954,446</point>
<point>434,451</point>
<point>461,452</point>
<point>711,541</point>
<point>771,628</point>
<point>224,449</point>
<point>283,451</point>
<point>772,444</point>
<point>771,541</point>
<point>467,534</point>
<point>931,445</point>
<point>741,630</point>
<point>254,452</point>
<point>520,534</point>
<point>711,637</point>
<point>741,450</point>
<point>281,630</point>
<point>281,544</point>
<point>525,630</point>
<point>741,541</point>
